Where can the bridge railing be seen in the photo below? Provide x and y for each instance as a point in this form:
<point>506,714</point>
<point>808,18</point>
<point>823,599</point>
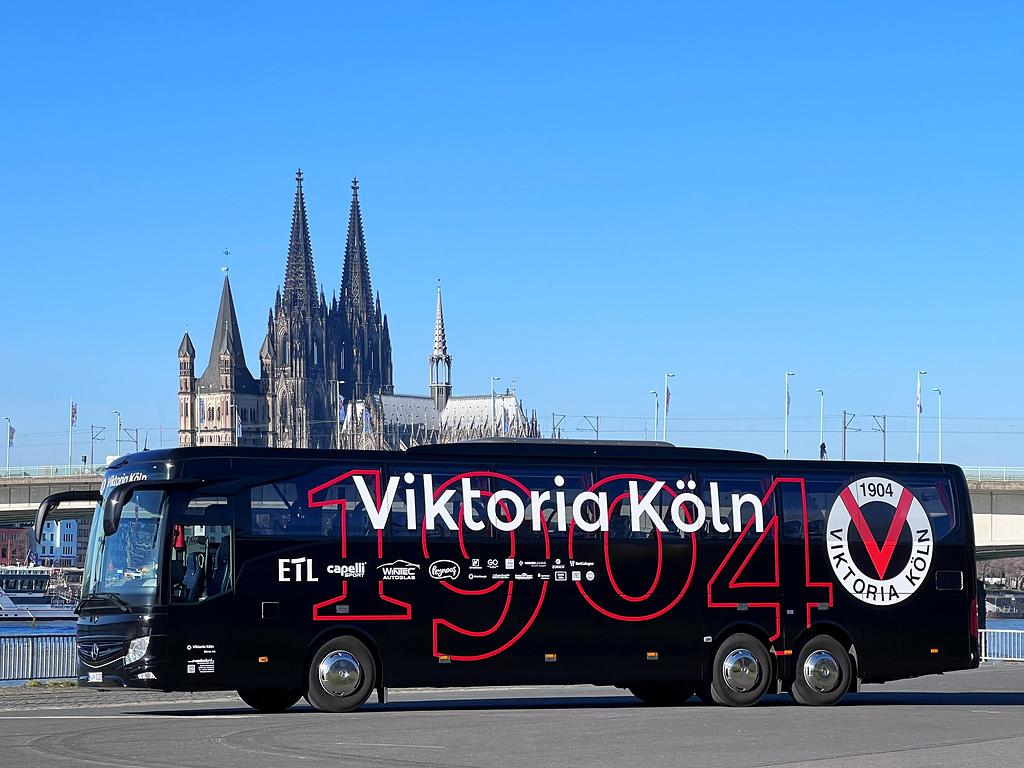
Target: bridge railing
<point>37,657</point>
<point>1002,645</point>
<point>53,470</point>
<point>995,474</point>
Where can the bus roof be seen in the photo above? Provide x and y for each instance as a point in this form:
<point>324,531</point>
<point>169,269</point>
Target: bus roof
<point>491,448</point>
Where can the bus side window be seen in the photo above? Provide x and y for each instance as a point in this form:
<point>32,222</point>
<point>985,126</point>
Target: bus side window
<point>821,492</point>
<point>736,485</point>
<point>620,511</point>
<point>281,509</point>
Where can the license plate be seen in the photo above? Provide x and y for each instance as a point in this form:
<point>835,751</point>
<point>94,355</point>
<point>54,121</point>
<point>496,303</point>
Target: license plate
<point>95,677</point>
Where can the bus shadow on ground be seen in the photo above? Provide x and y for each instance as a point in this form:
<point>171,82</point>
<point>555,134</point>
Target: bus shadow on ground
<point>873,699</point>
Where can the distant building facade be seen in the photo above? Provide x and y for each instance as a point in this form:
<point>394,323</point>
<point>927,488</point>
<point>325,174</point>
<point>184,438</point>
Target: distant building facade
<point>326,373</point>
<point>59,544</point>
<point>15,545</point>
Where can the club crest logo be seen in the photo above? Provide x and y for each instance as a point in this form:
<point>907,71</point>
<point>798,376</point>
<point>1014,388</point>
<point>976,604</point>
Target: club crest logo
<point>880,541</point>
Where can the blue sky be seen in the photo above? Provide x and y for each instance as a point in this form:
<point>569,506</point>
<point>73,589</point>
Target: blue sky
<point>727,191</point>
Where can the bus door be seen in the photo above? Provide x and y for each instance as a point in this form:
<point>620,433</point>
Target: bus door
<point>201,636</point>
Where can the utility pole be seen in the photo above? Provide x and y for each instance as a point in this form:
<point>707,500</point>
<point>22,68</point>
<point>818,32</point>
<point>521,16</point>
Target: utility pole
<point>656,409</point>
<point>95,433</point>
<point>786,420</point>
<point>880,427</point>
<point>920,407</point>
<point>7,439</point>
<point>494,416</point>
<point>846,425</point>
<point>939,392</point>
<point>118,414</point>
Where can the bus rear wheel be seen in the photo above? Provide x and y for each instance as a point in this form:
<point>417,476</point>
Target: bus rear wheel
<point>823,673</point>
<point>662,694</point>
<point>270,701</point>
<point>342,675</point>
<point>741,671</point>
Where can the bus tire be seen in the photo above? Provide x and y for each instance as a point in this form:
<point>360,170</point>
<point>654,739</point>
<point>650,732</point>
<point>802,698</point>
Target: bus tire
<point>342,675</point>
<point>270,701</point>
<point>662,694</point>
<point>823,672</point>
<point>741,672</point>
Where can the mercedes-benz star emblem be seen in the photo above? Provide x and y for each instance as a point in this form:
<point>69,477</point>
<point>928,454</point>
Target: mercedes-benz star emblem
<point>94,651</point>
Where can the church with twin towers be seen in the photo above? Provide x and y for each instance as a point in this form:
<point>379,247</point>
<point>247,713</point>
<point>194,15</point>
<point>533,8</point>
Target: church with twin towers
<point>326,374</point>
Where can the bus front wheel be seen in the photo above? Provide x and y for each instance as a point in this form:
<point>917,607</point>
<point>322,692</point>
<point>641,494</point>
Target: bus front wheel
<point>741,671</point>
<point>342,675</point>
<point>662,694</point>
<point>823,672</point>
<point>270,701</point>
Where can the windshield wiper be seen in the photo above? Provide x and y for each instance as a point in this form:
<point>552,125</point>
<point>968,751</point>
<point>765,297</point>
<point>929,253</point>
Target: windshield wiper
<point>115,599</point>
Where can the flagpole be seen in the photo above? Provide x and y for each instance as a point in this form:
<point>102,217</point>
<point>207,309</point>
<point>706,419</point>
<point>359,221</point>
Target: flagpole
<point>71,430</point>
<point>919,409</point>
<point>8,420</point>
<point>785,428</point>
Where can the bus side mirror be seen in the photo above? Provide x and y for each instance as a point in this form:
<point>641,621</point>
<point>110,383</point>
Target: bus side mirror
<point>112,507</point>
<point>54,500</point>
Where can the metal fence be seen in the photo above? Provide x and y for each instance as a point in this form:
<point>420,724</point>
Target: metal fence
<point>54,470</point>
<point>37,657</point>
<point>995,474</point>
<point>1002,645</point>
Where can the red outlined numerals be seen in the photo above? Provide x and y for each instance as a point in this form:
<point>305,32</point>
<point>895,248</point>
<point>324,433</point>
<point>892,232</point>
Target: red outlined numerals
<point>748,576</point>
<point>516,604</point>
<point>373,605</point>
<point>673,565</point>
<point>813,589</point>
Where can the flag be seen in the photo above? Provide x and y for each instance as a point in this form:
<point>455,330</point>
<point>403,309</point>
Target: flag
<point>505,418</point>
<point>789,400</point>
<point>366,420</point>
<point>202,411</point>
<point>920,405</point>
<point>238,425</point>
<point>10,436</point>
<point>74,413</point>
<point>668,399</point>
<point>341,409</point>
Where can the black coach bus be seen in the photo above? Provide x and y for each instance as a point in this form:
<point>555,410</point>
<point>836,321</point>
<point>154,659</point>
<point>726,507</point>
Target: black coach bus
<point>667,571</point>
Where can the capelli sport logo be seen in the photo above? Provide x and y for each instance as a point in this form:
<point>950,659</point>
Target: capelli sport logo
<point>398,570</point>
<point>880,541</point>
<point>444,569</point>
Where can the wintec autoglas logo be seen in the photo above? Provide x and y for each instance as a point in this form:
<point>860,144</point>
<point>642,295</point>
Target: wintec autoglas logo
<point>398,570</point>
<point>887,562</point>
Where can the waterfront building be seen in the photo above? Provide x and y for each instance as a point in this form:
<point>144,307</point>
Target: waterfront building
<point>59,543</point>
<point>15,545</point>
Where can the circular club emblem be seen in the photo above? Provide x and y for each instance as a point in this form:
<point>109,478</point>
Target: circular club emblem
<point>879,541</point>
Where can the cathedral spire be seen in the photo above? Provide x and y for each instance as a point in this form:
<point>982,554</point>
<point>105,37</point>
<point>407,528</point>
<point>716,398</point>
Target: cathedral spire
<point>356,291</point>
<point>299,276</point>
<point>440,342</point>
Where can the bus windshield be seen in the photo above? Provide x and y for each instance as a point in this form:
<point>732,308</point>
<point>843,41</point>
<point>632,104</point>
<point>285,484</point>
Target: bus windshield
<point>125,563</point>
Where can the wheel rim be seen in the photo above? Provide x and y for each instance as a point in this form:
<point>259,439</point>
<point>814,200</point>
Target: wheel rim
<point>822,672</point>
<point>741,670</point>
<point>340,673</point>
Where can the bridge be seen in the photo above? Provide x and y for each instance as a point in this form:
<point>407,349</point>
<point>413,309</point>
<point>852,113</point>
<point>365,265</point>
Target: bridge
<point>997,498</point>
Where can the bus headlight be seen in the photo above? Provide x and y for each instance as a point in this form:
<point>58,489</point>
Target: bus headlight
<point>136,649</point>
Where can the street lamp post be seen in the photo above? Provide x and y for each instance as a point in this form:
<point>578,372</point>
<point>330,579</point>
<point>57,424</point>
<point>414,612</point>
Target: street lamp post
<point>664,426</point>
<point>938,391</point>
<point>919,408</point>
<point>494,414</point>
<point>656,409</point>
<point>821,420</point>
<point>785,427</point>
<point>118,414</point>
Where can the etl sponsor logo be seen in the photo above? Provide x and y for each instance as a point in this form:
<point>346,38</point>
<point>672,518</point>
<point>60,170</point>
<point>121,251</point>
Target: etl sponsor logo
<point>354,571</point>
<point>295,569</point>
<point>444,569</point>
<point>398,570</point>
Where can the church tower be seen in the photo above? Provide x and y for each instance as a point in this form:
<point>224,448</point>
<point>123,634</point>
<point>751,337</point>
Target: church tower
<point>186,392</point>
<point>292,359</point>
<point>440,361</point>
<point>361,342</point>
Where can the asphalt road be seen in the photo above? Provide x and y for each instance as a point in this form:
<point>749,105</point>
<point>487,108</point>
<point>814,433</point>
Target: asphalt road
<point>964,719</point>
